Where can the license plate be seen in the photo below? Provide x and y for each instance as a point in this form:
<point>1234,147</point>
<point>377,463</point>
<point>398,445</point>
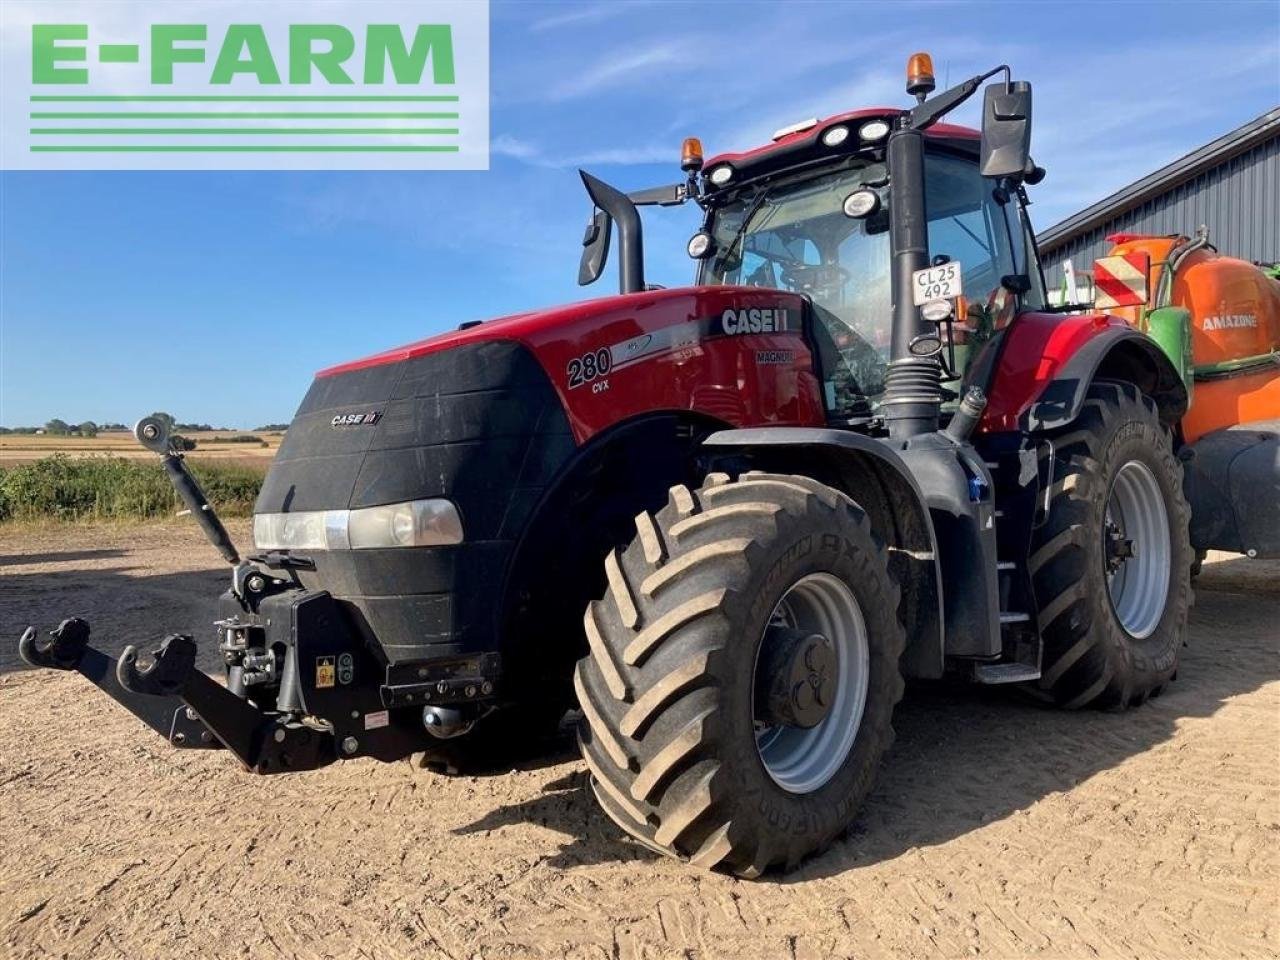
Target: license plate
<point>936,283</point>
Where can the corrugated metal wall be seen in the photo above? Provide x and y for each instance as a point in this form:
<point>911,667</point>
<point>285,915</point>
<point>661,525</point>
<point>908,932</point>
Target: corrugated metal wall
<point>1238,200</point>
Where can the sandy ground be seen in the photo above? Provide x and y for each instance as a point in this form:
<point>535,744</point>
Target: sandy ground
<point>998,829</point>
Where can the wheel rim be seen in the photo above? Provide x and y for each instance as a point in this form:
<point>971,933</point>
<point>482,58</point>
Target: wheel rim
<point>802,760</point>
<point>1136,549</point>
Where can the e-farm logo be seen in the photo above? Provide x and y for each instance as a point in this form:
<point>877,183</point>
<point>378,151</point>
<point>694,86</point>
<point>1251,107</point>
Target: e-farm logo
<point>307,84</point>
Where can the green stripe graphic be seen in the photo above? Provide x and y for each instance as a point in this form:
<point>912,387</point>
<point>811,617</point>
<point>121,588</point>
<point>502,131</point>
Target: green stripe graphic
<point>292,115</point>
<point>239,148</point>
<point>171,98</point>
<point>224,131</point>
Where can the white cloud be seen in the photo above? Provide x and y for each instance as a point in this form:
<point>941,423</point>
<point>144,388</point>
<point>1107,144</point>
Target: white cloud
<point>574,16</point>
<point>626,66</point>
<point>505,145</point>
<point>508,146</point>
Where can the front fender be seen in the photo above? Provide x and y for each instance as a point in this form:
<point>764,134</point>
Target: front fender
<point>1047,362</point>
<point>873,475</point>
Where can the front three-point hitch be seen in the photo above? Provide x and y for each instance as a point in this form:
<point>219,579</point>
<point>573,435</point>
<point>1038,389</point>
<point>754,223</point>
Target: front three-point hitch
<point>180,702</point>
<point>301,691</point>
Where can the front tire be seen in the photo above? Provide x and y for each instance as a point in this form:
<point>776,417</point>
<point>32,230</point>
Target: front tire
<point>684,649</point>
<point>1112,562</point>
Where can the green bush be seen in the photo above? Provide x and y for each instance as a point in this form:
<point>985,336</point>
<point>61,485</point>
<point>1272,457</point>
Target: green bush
<point>238,438</point>
<point>65,488</point>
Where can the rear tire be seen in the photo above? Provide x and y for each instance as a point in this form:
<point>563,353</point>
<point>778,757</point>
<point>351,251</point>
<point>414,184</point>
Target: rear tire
<point>1113,625</point>
<point>669,690</point>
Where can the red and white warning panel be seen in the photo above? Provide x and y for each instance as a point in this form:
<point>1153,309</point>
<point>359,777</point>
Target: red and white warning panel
<point>1120,281</point>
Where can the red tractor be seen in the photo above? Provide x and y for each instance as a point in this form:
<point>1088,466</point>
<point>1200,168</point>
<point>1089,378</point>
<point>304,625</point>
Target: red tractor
<point>727,520</point>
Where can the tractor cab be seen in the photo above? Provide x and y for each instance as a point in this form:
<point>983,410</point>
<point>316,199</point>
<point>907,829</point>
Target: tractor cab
<point>846,212</point>
<point>823,231</point>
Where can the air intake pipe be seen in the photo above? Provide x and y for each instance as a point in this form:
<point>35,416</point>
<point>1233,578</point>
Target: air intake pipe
<point>913,385</point>
<point>966,418</point>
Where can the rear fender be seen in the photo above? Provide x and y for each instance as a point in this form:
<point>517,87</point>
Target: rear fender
<point>875,477</point>
<point>1047,362</point>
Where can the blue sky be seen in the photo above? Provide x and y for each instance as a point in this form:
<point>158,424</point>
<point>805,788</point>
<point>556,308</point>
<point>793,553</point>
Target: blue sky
<point>216,296</point>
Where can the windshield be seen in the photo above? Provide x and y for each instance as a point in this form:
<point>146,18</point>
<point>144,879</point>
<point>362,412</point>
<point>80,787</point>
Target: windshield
<point>795,236</point>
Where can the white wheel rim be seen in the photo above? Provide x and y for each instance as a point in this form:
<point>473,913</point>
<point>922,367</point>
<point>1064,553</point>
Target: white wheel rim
<point>1139,584</point>
<point>803,760</point>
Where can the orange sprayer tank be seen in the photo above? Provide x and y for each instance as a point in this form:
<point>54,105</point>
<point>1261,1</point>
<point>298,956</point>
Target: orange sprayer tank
<point>1235,315</point>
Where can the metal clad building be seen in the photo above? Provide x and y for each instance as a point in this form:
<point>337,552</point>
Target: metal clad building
<point>1231,185</point>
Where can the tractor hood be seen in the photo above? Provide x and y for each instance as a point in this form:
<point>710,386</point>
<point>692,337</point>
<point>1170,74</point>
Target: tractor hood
<point>373,431</point>
<point>489,416</point>
<point>685,348</point>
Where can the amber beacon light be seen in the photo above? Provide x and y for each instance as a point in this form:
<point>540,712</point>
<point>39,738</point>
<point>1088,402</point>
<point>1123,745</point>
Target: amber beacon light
<point>691,154</point>
<point>920,81</point>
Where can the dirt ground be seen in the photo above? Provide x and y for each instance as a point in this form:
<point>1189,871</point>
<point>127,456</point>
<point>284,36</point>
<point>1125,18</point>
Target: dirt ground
<point>998,829</point>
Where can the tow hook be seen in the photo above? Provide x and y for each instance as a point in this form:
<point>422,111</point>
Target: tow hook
<point>62,651</point>
<point>167,672</point>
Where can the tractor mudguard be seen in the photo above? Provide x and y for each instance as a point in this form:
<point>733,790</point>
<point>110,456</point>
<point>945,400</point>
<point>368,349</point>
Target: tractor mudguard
<point>881,483</point>
<point>1037,370</point>
<point>1117,353</point>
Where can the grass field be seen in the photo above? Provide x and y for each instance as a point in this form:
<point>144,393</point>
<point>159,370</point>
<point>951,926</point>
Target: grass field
<point>211,445</point>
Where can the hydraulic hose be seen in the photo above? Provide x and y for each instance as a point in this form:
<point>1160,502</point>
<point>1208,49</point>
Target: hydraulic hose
<point>1164,293</point>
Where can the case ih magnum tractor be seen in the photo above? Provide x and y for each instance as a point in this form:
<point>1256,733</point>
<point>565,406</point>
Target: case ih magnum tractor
<point>725,520</point>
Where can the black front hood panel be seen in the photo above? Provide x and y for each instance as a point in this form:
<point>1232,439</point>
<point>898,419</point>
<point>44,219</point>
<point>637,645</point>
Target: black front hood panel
<point>478,424</point>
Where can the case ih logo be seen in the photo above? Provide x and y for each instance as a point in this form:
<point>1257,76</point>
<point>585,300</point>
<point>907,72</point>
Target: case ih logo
<point>768,320</point>
<point>356,419</point>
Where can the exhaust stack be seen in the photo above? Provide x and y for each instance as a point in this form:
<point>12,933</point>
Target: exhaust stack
<point>619,208</point>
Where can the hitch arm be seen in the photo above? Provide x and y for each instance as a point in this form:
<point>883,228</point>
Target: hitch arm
<point>154,435</point>
<point>68,649</point>
<point>172,673</point>
<point>181,702</point>
<point>262,742</point>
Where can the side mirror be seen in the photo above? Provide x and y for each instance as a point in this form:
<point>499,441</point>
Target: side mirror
<point>595,248</point>
<point>1120,281</point>
<point>1006,129</point>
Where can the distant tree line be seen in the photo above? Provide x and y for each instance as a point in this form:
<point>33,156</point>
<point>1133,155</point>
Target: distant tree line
<point>88,428</point>
<point>60,428</point>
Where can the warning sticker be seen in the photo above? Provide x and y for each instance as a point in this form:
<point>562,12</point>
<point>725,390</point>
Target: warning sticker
<point>1120,281</point>
<point>379,718</point>
<point>326,672</point>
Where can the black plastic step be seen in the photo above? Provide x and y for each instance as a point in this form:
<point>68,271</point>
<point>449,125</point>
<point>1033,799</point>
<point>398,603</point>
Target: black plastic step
<point>1005,672</point>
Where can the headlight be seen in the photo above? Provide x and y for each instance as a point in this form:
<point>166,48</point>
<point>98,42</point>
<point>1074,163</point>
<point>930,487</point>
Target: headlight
<point>418,523</point>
